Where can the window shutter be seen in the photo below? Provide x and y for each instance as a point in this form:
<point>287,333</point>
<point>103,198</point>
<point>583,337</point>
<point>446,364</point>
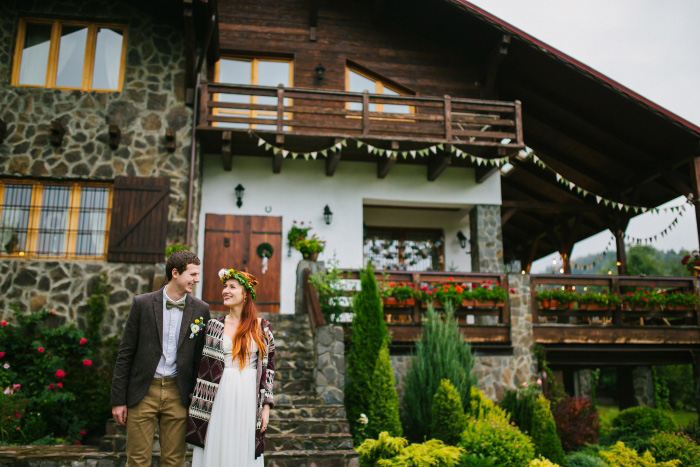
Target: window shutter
<point>139,222</point>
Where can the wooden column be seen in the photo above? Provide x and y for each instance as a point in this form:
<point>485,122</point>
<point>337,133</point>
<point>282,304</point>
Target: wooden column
<point>618,231</point>
<point>695,181</point>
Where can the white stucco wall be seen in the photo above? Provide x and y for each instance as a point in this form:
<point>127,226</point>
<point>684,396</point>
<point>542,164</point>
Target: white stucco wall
<point>302,189</point>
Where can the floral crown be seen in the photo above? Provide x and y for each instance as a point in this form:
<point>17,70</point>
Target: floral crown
<point>226,274</point>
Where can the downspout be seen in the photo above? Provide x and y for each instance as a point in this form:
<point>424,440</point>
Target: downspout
<point>195,114</point>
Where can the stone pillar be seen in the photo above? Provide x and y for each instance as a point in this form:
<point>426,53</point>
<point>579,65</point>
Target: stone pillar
<point>329,368</point>
<point>643,383</point>
<point>314,267</point>
<point>583,383</point>
<point>486,238</point>
<point>495,374</point>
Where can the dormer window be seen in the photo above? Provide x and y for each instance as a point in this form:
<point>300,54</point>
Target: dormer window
<point>360,81</point>
<point>69,55</point>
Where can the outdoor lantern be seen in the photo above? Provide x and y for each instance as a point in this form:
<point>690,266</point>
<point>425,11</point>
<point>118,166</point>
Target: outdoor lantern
<point>239,195</point>
<point>462,239</point>
<point>327,215</point>
<point>320,71</point>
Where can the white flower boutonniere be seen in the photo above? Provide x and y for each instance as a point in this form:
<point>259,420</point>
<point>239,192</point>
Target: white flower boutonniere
<point>196,327</point>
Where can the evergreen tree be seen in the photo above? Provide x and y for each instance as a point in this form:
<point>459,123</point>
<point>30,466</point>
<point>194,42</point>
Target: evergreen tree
<point>544,433</point>
<point>440,354</point>
<point>384,403</point>
<point>448,419</point>
<point>368,335</point>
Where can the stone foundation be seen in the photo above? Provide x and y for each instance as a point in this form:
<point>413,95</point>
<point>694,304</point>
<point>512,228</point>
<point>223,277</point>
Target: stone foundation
<point>329,370</point>
<point>486,238</point>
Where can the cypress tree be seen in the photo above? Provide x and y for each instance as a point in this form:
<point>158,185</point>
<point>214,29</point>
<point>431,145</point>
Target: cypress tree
<point>440,354</point>
<point>448,418</point>
<point>544,433</point>
<point>368,335</point>
<point>384,403</point>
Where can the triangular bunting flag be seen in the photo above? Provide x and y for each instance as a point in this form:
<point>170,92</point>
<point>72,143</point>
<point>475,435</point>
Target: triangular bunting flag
<point>344,142</point>
<point>294,155</point>
<point>324,153</point>
<point>433,149</point>
<point>267,146</point>
<point>359,143</point>
<point>389,152</point>
<point>284,153</point>
<point>413,153</point>
<point>558,177</point>
<point>313,155</point>
<point>306,156</point>
<point>261,142</point>
<point>598,198</point>
<point>441,147</point>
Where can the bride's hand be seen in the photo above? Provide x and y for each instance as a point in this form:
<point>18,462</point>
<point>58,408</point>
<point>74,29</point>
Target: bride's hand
<point>265,417</point>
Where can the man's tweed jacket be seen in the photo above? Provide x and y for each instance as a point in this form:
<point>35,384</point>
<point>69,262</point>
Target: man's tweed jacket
<point>142,346</point>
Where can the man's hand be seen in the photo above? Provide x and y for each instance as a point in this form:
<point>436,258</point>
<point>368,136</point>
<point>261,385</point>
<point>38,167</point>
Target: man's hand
<point>265,417</point>
<point>119,414</point>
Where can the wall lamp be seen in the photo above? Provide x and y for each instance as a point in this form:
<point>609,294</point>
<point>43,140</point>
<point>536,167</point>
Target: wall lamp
<point>239,195</point>
<point>327,215</point>
<point>320,71</point>
<point>462,239</point>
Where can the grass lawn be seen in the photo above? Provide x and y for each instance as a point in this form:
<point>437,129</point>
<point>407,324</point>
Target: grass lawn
<point>607,413</point>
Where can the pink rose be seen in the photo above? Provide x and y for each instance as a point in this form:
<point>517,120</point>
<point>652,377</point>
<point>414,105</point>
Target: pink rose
<point>60,374</point>
<point>40,350</point>
<point>60,385</point>
<point>87,362</point>
<point>83,341</point>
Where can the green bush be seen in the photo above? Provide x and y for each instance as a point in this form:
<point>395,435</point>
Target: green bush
<point>544,433</point>
<point>387,451</point>
<point>583,459</point>
<point>620,455</point>
<point>448,419</point>
<point>441,354</point>
<point>635,425</point>
<point>331,290</point>
<point>669,446</point>
<point>477,460</point>
<point>496,438</point>
<point>481,407</point>
<point>384,403</point>
<point>542,462</point>
<point>368,336</point>
<point>520,405</point>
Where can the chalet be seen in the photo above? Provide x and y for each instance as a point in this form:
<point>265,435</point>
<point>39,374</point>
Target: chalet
<point>428,137</point>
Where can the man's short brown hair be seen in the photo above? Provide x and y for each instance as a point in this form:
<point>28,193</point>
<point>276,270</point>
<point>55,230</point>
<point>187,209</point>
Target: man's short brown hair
<point>179,260</point>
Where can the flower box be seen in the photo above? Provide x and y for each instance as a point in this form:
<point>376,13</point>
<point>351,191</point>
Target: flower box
<point>595,307</point>
<point>390,301</point>
<point>436,303</point>
<point>468,303</point>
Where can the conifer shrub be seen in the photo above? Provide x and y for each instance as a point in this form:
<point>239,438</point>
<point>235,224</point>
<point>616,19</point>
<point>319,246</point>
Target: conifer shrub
<point>388,451</point>
<point>448,419</point>
<point>635,425</point>
<point>384,403</point>
<point>544,433</point>
<point>368,335</point>
<point>669,446</point>
<point>577,422</point>
<point>481,407</point>
<point>499,439</point>
<point>542,462</point>
<point>520,405</point>
<point>620,455</point>
<point>584,459</point>
<point>441,354</point>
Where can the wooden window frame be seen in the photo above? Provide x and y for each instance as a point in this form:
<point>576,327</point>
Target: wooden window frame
<point>255,61</point>
<point>35,209</point>
<point>52,66</point>
<point>380,83</point>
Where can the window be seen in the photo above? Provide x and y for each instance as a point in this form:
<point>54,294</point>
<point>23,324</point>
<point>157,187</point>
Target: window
<point>69,55</point>
<point>54,219</point>
<point>405,249</point>
<point>357,81</point>
<point>252,71</point>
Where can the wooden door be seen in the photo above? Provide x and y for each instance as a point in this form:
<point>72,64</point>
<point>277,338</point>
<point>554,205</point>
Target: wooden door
<point>232,242</point>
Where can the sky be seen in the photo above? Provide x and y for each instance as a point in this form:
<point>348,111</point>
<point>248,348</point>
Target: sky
<point>650,46</point>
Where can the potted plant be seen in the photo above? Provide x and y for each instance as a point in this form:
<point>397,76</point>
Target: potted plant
<point>564,298</point>
<point>402,294</point>
<point>449,292</point>
<point>310,247</point>
<point>544,298</point>
<point>468,299</point>
<point>643,299</point>
<point>682,301</point>
<point>599,301</point>
<point>488,296</point>
<point>692,262</point>
<point>428,295</point>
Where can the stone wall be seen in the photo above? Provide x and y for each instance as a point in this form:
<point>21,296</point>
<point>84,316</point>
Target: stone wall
<point>486,238</point>
<point>329,368</point>
<point>151,100</point>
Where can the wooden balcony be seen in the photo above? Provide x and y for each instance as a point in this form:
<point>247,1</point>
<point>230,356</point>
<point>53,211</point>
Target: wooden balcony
<point>303,120</point>
<point>574,324</point>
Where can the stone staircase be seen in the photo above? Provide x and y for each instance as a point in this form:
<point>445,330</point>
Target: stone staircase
<point>304,431</point>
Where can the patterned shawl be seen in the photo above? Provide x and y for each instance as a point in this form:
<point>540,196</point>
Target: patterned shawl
<point>210,370</point>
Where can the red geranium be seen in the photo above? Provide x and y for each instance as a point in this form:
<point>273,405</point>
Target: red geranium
<point>40,350</point>
<point>3,323</point>
<point>2,354</point>
<point>60,385</point>
<point>83,341</point>
<point>87,362</point>
<point>50,386</point>
<point>60,374</point>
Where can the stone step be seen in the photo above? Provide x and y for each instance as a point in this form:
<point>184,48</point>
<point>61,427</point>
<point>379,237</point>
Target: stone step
<point>293,386</point>
<point>308,442</point>
<point>309,426</point>
<point>315,411</point>
<point>301,458</point>
<point>290,374</point>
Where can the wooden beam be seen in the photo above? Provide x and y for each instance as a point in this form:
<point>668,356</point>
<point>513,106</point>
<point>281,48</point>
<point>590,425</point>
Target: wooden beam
<point>505,217</point>
<point>313,19</point>
<point>618,230</point>
<point>533,251</point>
<point>677,182</point>
<point>438,165</point>
<point>226,151</point>
<point>554,207</point>
<point>498,53</point>
<point>384,165</point>
<point>332,160</point>
<point>190,50</point>
<point>277,157</point>
<point>377,10</point>
<point>481,173</point>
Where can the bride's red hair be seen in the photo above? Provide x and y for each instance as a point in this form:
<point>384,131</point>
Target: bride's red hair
<point>248,327</point>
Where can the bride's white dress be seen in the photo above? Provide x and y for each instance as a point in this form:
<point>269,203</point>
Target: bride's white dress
<point>231,432</point>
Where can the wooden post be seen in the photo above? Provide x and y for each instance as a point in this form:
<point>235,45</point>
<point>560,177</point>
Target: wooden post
<point>280,107</point>
<point>448,118</point>
<point>204,103</point>
<point>695,182</point>
<point>617,313</point>
<point>619,232</point>
<point>365,113</point>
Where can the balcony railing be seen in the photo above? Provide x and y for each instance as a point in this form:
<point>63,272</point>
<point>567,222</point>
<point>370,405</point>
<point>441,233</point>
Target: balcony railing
<point>281,110</point>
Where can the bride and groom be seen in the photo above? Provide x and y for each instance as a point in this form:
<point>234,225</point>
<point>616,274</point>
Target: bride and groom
<point>206,381</point>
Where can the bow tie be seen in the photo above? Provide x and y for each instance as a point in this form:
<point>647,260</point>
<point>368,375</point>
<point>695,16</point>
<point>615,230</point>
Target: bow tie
<point>172,304</point>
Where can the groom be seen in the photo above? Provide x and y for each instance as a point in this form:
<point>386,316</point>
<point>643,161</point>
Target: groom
<point>157,364</point>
